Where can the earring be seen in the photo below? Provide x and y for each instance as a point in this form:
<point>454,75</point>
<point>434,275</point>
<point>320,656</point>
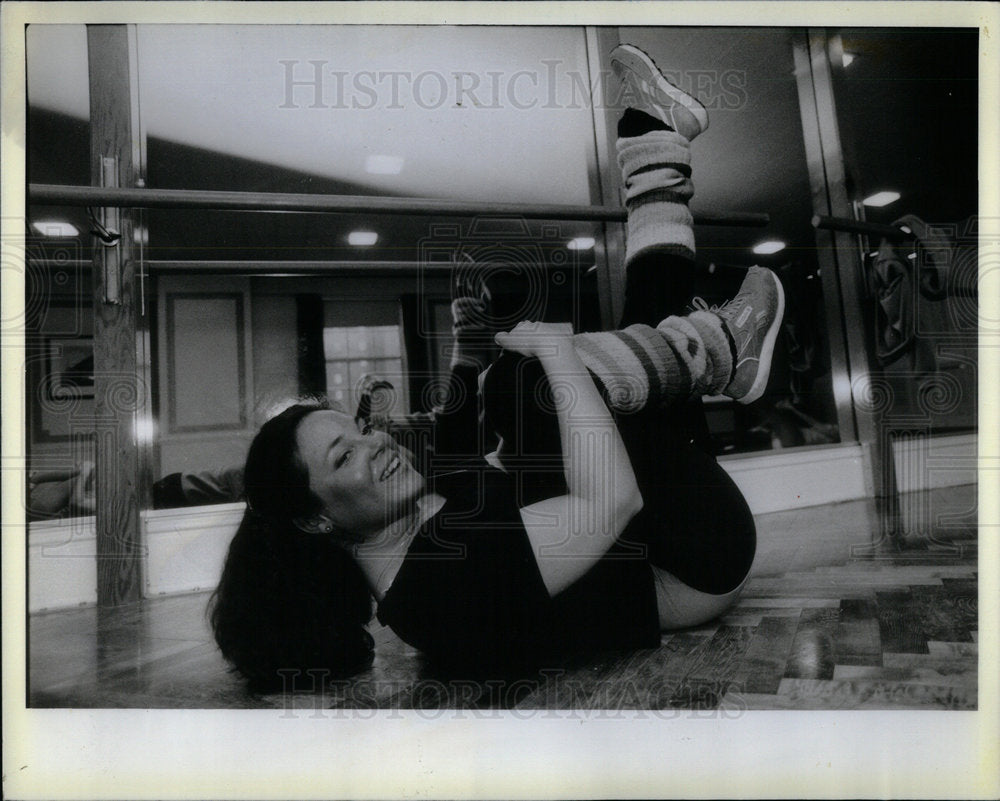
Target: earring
<point>328,528</point>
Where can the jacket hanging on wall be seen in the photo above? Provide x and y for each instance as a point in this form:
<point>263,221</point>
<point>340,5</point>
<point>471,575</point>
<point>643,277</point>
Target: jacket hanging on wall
<point>925,300</point>
<point>910,295</point>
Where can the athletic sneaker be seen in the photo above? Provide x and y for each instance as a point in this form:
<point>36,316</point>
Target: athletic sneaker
<point>376,398</point>
<point>753,319</point>
<point>655,93</point>
<point>470,297</point>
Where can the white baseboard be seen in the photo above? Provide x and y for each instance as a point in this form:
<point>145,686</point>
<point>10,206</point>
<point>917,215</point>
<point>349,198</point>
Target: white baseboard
<point>184,549</point>
<point>776,480</point>
<point>791,479</point>
<point>932,462</point>
<point>62,564</point>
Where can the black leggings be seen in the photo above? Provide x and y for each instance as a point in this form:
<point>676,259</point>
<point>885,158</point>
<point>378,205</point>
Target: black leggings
<point>694,522</point>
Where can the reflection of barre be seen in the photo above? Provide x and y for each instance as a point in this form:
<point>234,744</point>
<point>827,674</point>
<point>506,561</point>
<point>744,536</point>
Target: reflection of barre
<point>278,201</point>
<point>860,227</point>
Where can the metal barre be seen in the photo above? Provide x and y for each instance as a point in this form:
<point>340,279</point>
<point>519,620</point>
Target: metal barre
<point>61,195</point>
<point>859,227</point>
<point>291,267</point>
<point>282,267</point>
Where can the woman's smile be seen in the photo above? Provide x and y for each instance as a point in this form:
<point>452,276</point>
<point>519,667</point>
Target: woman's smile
<point>390,468</point>
<point>363,479</point>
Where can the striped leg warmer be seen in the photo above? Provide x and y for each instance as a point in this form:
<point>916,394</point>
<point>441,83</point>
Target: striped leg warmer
<point>638,366</point>
<point>701,343</point>
<point>656,170</point>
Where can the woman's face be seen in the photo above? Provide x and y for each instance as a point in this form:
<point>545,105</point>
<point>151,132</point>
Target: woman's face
<point>363,479</point>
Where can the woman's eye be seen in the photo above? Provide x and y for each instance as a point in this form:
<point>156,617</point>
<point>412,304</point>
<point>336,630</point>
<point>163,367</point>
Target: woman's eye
<point>367,429</point>
<point>343,459</point>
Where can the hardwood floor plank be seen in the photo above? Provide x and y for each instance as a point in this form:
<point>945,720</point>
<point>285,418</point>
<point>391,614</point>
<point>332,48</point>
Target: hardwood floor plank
<point>856,637</point>
<point>899,625</point>
<point>952,649</point>
<point>811,655</point>
<point>907,675</point>
<point>789,602</point>
<point>763,664</point>
<point>812,694</point>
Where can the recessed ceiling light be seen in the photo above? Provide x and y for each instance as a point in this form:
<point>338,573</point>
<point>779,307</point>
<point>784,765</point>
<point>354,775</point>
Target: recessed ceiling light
<point>362,239</point>
<point>848,59</point>
<point>880,199</point>
<point>768,247</point>
<point>55,228</point>
<point>581,243</point>
<point>384,165</point>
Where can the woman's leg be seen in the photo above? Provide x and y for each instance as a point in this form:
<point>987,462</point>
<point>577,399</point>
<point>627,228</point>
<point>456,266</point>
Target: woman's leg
<point>639,371</point>
<point>694,525</point>
<point>659,277</point>
<point>659,260</point>
<point>654,154</point>
<point>458,434</point>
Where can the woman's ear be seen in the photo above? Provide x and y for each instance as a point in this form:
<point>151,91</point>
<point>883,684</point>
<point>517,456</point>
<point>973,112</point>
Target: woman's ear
<point>319,523</point>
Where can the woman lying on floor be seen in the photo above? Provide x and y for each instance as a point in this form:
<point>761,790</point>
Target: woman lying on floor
<point>596,524</point>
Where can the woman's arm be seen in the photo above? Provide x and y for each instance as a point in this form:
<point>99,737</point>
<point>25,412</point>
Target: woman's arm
<point>570,533</point>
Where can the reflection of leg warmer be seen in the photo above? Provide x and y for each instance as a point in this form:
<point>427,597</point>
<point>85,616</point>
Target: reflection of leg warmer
<point>683,357</point>
<point>656,170</point>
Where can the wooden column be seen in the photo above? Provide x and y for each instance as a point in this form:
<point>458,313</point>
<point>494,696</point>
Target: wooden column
<point>115,162</point>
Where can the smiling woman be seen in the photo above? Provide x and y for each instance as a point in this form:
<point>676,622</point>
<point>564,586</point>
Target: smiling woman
<point>578,533</point>
<point>358,474</point>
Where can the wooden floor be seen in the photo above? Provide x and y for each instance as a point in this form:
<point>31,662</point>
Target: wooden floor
<point>832,618</point>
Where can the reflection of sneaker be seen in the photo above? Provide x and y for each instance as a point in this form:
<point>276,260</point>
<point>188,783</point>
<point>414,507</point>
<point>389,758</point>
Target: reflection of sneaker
<point>470,298</point>
<point>376,399</point>
<point>753,319</point>
<point>655,94</point>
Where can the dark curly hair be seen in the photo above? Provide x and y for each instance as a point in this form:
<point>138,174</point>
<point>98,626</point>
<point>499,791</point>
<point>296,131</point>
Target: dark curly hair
<point>288,600</point>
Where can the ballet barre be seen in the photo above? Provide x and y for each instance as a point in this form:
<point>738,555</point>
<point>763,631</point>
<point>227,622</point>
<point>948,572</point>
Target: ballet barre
<point>860,227</point>
<point>292,267</point>
<point>93,196</point>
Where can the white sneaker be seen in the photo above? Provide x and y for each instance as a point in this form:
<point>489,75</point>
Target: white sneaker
<point>656,95</point>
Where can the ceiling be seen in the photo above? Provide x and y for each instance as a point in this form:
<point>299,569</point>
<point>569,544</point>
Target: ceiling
<point>219,113</point>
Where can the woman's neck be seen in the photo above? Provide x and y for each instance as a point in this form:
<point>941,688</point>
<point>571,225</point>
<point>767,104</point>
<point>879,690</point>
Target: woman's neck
<point>381,556</point>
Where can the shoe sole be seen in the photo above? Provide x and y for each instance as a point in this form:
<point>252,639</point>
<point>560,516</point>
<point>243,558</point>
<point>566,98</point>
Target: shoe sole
<point>632,58</point>
<point>767,349</point>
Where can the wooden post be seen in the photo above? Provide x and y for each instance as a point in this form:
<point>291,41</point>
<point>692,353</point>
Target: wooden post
<point>117,390</point>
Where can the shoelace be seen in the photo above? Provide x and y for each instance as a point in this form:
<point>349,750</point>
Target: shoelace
<point>699,304</point>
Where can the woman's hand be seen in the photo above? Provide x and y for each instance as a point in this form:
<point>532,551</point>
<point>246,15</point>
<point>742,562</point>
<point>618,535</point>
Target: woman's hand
<point>536,339</point>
